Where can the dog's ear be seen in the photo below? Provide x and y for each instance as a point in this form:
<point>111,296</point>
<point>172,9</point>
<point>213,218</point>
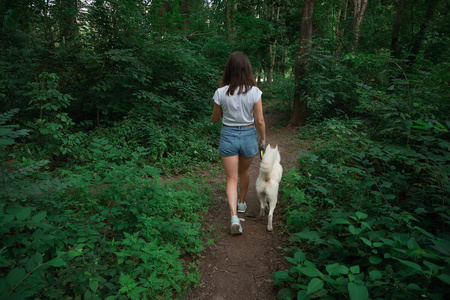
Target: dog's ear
<point>268,147</point>
<point>276,147</point>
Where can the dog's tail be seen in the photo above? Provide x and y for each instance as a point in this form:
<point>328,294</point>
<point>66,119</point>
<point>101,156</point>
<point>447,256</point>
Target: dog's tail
<point>271,156</point>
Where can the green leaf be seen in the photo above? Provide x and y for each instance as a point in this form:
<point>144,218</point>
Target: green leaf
<point>357,291</point>
<point>97,151</point>
<point>301,295</point>
<point>283,275</point>
<point>310,271</point>
<point>291,260</point>
<point>322,190</point>
<point>410,264</point>
<point>375,275</point>
<point>309,235</point>
<point>412,244</point>
<point>432,266</point>
<point>23,213</point>
<point>15,276</point>
<point>39,217</point>
<point>6,141</point>
<point>336,269</point>
<point>361,215</point>
<point>353,230</point>
<point>314,285</point>
<point>445,278</point>
<point>56,262</point>
<point>74,253</point>
<point>34,262</point>
<point>93,284</point>
<point>375,260</point>
<point>366,241</point>
<point>414,287</point>
<point>365,224</point>
<point>299,256</point>
<point>335,242</point>
<point>388,242</point>
<point>355,269</point>
<point>341,221</point>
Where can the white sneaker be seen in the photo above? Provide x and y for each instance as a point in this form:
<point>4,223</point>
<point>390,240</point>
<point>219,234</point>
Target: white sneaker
<point>242,207</point>
<point>236,227</point>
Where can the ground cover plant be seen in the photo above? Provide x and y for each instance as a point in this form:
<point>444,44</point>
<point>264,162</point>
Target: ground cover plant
<point>367,207</point>
<point>103,230</point>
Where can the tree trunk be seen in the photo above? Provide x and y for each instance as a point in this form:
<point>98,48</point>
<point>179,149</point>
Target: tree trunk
<point>301,62</point>
<point>272,47</point>
<point>68,24</point>
<point>420,37</point>
<point>359,8</point>
<point>185,11</point>
<point>340,29</point>
<point>231,7</point>
<point>396,28</point>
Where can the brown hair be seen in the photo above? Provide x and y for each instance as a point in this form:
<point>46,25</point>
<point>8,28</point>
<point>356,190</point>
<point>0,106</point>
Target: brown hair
<point>238,73</point>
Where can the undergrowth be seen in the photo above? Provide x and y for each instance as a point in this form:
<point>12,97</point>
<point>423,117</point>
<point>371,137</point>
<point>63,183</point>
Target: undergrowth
<point>367,207</point>
<point>108,229</point>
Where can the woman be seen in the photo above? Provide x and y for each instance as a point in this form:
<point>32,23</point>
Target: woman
<point>239,103</point>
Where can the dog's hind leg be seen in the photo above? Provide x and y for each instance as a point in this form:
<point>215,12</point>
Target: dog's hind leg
<point>262,201</point>
<point>272,204</point>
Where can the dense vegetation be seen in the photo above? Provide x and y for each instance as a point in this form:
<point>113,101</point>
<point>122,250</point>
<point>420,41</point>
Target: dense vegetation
<point>367,207</point>
<point>103,100</point>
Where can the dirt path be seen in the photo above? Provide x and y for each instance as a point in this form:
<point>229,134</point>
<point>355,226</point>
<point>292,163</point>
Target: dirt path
<point>240,267</point>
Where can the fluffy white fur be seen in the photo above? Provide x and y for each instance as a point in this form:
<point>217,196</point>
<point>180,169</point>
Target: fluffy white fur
<point>268,182</point>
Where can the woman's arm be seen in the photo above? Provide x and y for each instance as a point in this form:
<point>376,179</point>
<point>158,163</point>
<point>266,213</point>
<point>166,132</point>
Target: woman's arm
<point>259,121</point>
<point>217,112</point>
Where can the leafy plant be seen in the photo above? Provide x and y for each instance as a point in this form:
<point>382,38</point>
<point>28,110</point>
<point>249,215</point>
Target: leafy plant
<point>369,217</point>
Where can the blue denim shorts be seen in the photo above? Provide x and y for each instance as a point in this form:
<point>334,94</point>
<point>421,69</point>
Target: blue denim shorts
<point>242,141</point>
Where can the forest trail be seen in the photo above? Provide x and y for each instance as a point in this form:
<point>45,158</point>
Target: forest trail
<point>240,267</point>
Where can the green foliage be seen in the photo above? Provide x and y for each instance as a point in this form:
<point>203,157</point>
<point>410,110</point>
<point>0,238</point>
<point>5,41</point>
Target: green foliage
<point>52,130</point>
<point>8,132</point>
<point>106,229</point>
<point>280,96</point>
<point>375,216</point>
<point>368,206</point>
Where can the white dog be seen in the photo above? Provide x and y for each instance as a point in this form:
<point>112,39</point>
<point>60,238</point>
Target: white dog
<point>268,182</point>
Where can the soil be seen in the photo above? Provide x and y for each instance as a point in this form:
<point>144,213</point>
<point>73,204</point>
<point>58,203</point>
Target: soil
<point>240,266</point>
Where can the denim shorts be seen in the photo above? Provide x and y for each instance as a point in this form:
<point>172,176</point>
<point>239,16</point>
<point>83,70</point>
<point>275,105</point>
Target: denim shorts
<point>242,141</point>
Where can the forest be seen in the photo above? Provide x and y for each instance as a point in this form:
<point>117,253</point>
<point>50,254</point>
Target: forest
<point>105,122</point>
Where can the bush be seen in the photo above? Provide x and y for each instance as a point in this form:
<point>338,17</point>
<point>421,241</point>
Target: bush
<point>106,230</point>
<point>368,206</point>
<point>374,215</point>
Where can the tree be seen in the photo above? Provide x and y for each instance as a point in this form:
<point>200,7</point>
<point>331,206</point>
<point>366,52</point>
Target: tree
<point>68,10</point>
<point>339,30</point>
<point>396,28</point>
<point>359,8</point>
<point>420,37</point>
<point>274,17</point>
<point>301,62</point>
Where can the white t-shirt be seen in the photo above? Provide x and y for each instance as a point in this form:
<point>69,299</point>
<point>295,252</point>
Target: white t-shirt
<point>237,109</point>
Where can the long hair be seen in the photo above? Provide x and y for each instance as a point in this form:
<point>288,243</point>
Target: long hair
<point>238,74</point>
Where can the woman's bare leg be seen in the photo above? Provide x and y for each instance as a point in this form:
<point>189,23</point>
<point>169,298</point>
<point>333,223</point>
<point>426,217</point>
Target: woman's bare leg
<point>244,165</point>
<point>231,164</point>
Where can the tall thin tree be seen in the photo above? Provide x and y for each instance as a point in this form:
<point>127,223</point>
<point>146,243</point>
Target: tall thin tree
<point>396,28</point>
<point>301,63</point>
<point>359,8</point>
<point>420,36</point>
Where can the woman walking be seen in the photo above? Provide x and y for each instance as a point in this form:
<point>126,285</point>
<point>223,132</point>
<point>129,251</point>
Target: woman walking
<point>238,102</point>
